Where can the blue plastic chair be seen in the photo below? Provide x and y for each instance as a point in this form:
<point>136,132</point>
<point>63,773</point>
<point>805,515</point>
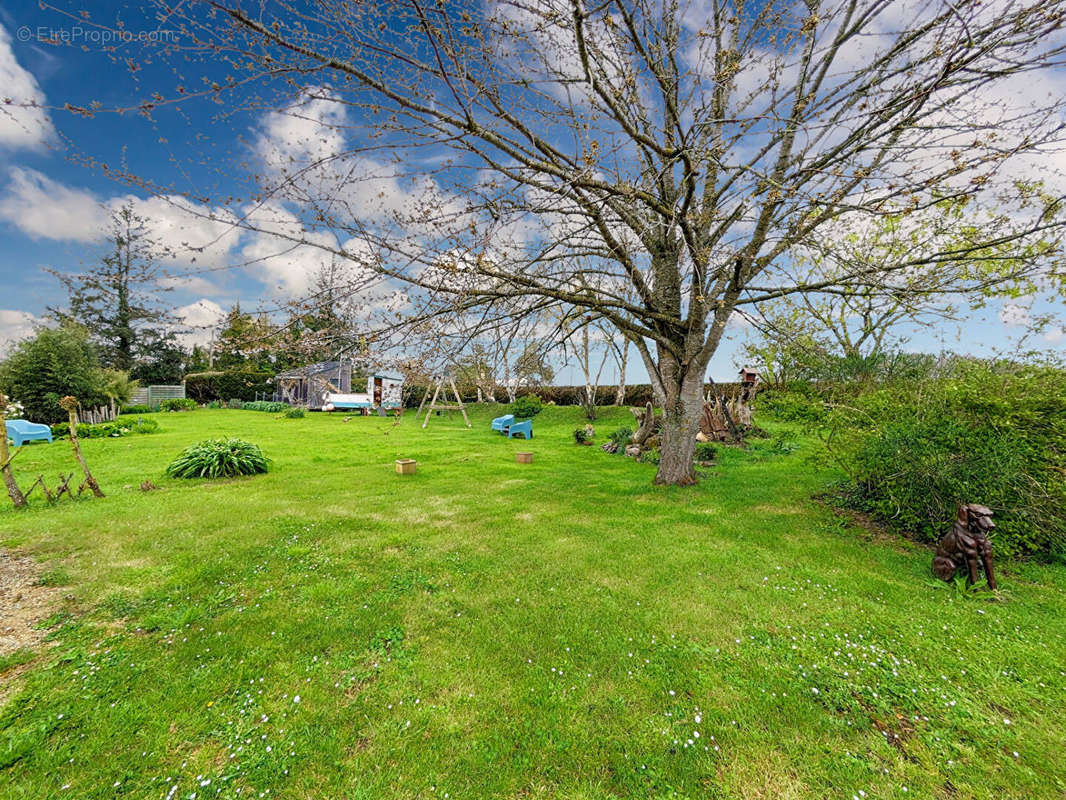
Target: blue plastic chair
<point>525,427</point>
<point>21,431</point>
<point>501,424</point>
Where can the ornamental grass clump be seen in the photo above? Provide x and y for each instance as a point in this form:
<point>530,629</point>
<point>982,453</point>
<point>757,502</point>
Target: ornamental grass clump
<point>218,458</point>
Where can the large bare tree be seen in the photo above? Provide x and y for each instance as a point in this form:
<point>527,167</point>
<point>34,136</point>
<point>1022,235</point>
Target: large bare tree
<point>651,162</point>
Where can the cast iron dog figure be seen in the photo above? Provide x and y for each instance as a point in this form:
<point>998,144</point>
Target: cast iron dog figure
<point>964,544</point>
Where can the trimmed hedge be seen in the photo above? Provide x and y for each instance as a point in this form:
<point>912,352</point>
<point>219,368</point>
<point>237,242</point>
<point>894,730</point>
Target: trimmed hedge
<point>203,387</point>
<point>266,405</point>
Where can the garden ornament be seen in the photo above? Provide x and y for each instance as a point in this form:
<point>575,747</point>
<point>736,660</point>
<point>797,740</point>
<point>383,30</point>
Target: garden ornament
<point>964,544</point>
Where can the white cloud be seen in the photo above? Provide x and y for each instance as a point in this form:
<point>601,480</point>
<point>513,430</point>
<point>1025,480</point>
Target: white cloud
<point>20,127</point>
<point>14,325</point>
<point>200,319</point>
<point>187,231</point>
<point>1055,335</point>
<point>1014,315</point>
<point>303,134</point>
<point>278,261</point>
<point>46,209</point>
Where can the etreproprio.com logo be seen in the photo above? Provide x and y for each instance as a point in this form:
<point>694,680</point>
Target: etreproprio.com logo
<point>77,34</point>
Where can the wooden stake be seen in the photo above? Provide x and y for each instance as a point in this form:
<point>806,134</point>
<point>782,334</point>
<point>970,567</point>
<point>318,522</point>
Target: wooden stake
<point>459,400</point>
<point>13,490</point>
<point>432,402</point>
<point>71,405</point>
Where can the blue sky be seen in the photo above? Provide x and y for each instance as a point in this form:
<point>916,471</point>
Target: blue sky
<point>52,206</point>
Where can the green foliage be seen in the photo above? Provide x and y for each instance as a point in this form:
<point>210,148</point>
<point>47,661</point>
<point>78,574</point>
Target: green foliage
<point>266,405</point>
<point>705,451</point>
<point>652,456</point>
<point>218,458</point>
<point>216,404</point>
<point>179,404</point>
<point>113,430</point>
<point>235,402</point>
<point>218,385</point>
<point>294,413</point>
<point>54,363</point>
<point>620,437</point>
<point>784,442</point>
<point>982,432</point>
<point>581,436</point>
<point>526,407</point>
<point>138,410</point>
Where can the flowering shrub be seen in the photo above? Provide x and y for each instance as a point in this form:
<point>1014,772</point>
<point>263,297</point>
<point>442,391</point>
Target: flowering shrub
<point>13,410</point>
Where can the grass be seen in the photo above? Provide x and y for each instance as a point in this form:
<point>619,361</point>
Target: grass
<point>490,629</point>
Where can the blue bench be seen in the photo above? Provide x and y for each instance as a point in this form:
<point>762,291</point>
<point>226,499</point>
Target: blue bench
<point>501,424</point>
<point>525,427</point>
<point>21,431</point>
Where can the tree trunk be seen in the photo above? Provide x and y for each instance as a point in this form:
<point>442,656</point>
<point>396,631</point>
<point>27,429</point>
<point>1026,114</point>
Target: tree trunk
<point>623,355</point>
<point>681,421</point>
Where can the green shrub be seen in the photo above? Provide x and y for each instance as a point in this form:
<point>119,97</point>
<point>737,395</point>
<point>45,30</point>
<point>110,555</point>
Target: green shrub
<point>793,406</point>
<point>120,427</point>
<point>138,410</point>
<point>581,436</point>
<point>179,404</point>
<point>218,458</point>
<point>705,451</point>
<point>650,457</point>
<point>54,363</point>
<point>526,407</point>
<point>621,437</point>
<point>981,432</point>
<point>294,413</point>
<point>216,404</point>
<point>235,402</point>
<point>265,405</point>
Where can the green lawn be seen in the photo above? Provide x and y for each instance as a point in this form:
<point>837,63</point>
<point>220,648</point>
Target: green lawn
<point>491,629</point>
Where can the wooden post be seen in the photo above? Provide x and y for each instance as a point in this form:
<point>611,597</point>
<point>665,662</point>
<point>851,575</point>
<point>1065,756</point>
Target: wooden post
<point>71,406</point>
<point>459,400</point>
<point>432,402</point>
<point>13,490</point>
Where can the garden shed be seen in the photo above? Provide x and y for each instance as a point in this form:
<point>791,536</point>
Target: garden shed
<point>309,386</point>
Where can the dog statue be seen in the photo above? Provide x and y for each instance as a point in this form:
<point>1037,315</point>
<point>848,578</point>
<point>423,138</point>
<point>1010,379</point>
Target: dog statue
<point>964,544</point>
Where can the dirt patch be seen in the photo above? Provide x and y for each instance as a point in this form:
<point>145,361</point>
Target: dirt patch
<point>23,603</point>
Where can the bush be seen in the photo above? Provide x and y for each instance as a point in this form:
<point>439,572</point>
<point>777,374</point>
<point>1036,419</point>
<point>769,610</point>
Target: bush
<point>584,435</point>
<point>621,437</point>
<point>56,362</point>
<point>983,432</point>
<point>294,413</point>
<point>218,458</point>
<point>649,457</point>
<point>120,427</point>
<point>179,404</point>
<point>239,384</point>
<point>138,410</point>
<point>526,407</point>
<point>705,451</point>
<point>266,405</point>
<point>235,402</point>
<point>216,404</point>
